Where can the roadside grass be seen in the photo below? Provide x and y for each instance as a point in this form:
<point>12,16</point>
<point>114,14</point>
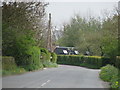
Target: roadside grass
<point>20,70</point>
<point>109,73</point>
<point>49,64</point>
<point>17,70</point>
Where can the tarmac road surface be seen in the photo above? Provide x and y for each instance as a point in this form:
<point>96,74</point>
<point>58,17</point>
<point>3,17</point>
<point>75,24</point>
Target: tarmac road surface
<point>64,76</point>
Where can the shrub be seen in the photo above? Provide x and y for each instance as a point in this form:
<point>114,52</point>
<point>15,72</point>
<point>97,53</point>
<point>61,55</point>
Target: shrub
<point>49,64</point>
<point>54,58</point>
<point>8,63</point>
<point>86,61</point>
<point>110,74</point>
<point>33,62</point>
<point>26,54</point>
<point>46,58</point>
<point>9,66</point>
<point>105,61</point>
<point>107,72</point>
<point>45,54</point>
<point>117,64</point>
<point>28,57</point>
<point>17,70</point>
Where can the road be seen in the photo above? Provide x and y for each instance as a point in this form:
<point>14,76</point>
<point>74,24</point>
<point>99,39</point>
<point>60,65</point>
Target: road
<point>64,76</point>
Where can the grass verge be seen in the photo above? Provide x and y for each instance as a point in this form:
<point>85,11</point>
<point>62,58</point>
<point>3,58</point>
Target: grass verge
<point>18,70</point>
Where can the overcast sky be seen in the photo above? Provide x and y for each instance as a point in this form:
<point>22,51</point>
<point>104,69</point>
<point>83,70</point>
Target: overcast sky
<point>63,11</point>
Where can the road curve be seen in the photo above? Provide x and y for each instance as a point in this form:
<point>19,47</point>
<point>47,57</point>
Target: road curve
<point>64,76</point>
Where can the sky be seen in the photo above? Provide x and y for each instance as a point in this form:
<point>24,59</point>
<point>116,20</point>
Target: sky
<point>62,11</point>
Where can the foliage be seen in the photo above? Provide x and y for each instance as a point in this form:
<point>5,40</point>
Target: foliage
<point>23,25</point>
<point>9,66</point>
<point>26,53</point>
<point>33,62</point>
<point>8,63</point>
<point>110,39</point>
<point>49,64</point>
<point>17,70</point>
<point>117,64</point>
<point>83,34</point>
<point>87,61</point>
<point>45,54</point>
<point>54,58</point>
<point>99,37</point>
<point>110,74</point>
<point>24,16</point>
<point>46,58</point>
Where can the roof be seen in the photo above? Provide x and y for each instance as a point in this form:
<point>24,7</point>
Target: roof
<point>64,47</point>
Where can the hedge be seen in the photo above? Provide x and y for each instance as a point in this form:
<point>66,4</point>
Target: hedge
<point>33,61</point>
<point>87,61</point>
<point>54,58</point>
<point>117,64</point>
<point>8,63</point>
<point>9,66</point>
<point>110,74</point>
<point>45,54</point>
<point>48,59</point>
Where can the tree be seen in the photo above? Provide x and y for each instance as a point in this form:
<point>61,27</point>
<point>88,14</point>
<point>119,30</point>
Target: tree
<point>110,39</point>
<point>22,29</point>
<point>83,34</point>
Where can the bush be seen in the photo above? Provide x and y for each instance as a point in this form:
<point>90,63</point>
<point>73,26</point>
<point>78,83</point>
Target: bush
<point>117,64</point>
<point>86,61</point>
<point>26,54</point>
<point>45,54</point>
<point>33,61</point>
<point>54,58</point>
<point>17,70</point>
<point>110,74</point>
<point>28,57</point>
<point>8,63</point>
<point>49,64</point>
<point>46,58</point>
<point>9,66</point>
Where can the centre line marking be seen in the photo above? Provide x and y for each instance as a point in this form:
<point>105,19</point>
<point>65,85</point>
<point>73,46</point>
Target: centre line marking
<point>48,81</point>
<point>45,83</point>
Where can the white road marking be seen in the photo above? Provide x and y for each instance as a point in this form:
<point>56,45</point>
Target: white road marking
<point>44,84</point>
<point>48,81</point>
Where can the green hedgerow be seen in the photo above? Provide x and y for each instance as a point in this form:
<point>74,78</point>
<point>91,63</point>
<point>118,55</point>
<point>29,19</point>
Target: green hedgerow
<point>86,61</point>
<point>109,73</point>
<point>54,58</point>
<point>45,54</point>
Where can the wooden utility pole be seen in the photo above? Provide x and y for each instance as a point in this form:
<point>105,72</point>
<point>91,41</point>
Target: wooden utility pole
<point>49,35</point>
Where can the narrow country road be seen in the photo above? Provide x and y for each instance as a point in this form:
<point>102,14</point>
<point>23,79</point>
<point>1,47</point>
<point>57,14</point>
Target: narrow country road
<point>62,77</point>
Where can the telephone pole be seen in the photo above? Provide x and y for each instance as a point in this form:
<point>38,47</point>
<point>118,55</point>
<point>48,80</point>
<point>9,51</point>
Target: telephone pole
<point>49,35</point>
